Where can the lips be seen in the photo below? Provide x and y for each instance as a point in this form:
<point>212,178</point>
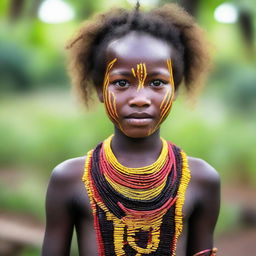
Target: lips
<point>139,119</point>
<point>139,115</point>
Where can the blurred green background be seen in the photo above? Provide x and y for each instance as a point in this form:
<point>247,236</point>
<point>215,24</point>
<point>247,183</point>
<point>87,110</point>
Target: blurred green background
<point>42,124</point>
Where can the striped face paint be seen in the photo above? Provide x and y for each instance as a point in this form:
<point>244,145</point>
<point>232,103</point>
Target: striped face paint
<point>140,74</point>
<point>109,97</point>
<point>167,101</point>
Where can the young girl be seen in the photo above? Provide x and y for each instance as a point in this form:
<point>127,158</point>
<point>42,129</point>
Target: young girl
<point>135,194</point>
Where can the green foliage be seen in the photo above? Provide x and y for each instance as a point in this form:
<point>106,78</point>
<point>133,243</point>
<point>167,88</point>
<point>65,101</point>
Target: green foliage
<point>228,219</point>
<point>14,68</point>
<point>238,87</point>
<point>25,196</point>
<point>30,252</point>
<point>45,131</point>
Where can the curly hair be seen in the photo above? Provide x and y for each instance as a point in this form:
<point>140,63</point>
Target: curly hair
<point>170,23</point>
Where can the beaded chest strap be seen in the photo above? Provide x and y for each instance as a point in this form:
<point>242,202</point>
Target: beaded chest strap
<point>137,211</point>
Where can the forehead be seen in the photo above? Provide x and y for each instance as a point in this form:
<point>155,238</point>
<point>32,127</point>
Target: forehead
<point>137,47</point>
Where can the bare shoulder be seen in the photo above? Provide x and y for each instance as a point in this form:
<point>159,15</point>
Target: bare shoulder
<point>66,177</point>
<point>66,182</point>
<point>68,171</point>
<point>203,172</point>
<point>205,187</point>
<point>67,188</point>
<point>205,181</point>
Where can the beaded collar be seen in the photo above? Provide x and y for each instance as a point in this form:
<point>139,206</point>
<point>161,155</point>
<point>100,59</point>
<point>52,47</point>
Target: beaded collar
<point>137,211</point>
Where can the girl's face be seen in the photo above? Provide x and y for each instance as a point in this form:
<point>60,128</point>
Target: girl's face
<point>138,87</point>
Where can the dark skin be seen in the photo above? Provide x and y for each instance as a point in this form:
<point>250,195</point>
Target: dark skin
<point>67,203</point>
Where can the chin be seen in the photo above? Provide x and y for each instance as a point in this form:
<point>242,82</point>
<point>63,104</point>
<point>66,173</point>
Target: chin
<point>137,133</point>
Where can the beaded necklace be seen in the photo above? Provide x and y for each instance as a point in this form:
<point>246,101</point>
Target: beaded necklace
<point>137,211</point>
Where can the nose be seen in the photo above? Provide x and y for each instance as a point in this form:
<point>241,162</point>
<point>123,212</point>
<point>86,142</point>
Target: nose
<point>140,99</point>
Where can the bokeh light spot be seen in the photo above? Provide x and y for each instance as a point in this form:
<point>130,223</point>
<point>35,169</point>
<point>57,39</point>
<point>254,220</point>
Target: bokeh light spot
<point>55,11</point>
<point>226,13</point>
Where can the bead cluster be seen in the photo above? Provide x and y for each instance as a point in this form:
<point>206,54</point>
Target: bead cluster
<point>137,211</point>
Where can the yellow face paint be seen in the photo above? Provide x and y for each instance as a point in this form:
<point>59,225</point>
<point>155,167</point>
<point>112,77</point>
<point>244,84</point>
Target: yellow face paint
<point>133,72</point>
<point>167,101</point>
<point>109,97</point>
<point>141,74</point>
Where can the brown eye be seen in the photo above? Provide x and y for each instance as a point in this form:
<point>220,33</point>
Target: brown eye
<point>157,83</point>
<point>121,83</point>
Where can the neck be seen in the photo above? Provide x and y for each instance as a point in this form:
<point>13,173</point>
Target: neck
<point>136,152</point>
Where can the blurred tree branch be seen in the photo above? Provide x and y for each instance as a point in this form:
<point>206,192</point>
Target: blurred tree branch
<point>246,27</point>
<point>16,8</point>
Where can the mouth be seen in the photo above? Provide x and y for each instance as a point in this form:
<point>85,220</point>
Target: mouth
<point>139,115</point>
<point>139,119</point>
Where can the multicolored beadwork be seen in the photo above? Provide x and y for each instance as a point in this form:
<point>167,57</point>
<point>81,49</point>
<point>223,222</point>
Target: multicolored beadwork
<point>137,211</point>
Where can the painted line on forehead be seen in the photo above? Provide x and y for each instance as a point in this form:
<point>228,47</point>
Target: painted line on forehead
<point>141,75</point>
<point>138,75</point>
<point>133,72</point>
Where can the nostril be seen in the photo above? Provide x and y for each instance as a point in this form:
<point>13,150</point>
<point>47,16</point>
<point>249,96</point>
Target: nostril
<point>139,105</point>
<point>140,102</point>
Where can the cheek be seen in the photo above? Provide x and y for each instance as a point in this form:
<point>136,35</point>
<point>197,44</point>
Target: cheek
<point>110,104</point>
<point>166,103</point>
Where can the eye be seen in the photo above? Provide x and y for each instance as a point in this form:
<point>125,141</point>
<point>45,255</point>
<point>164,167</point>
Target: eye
<point>121,83</point>
<point>157,83</point>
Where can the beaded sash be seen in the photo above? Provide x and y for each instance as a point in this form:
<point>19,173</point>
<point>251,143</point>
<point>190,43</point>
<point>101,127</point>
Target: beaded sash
<point>137,211</point>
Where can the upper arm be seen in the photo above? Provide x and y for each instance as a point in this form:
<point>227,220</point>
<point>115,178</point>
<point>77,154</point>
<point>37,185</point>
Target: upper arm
<point>59,221</point>
<point>205,214</point>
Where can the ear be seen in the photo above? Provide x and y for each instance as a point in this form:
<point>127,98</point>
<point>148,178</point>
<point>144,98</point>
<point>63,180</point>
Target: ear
<point>99,93</point>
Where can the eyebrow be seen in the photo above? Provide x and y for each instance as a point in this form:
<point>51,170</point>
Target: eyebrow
<point>122,73</point>
<point>156,73</point>
<point>129,73</point>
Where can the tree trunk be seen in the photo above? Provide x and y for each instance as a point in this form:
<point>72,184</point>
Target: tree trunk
<point>16,8</point>
<point>246,27</point>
